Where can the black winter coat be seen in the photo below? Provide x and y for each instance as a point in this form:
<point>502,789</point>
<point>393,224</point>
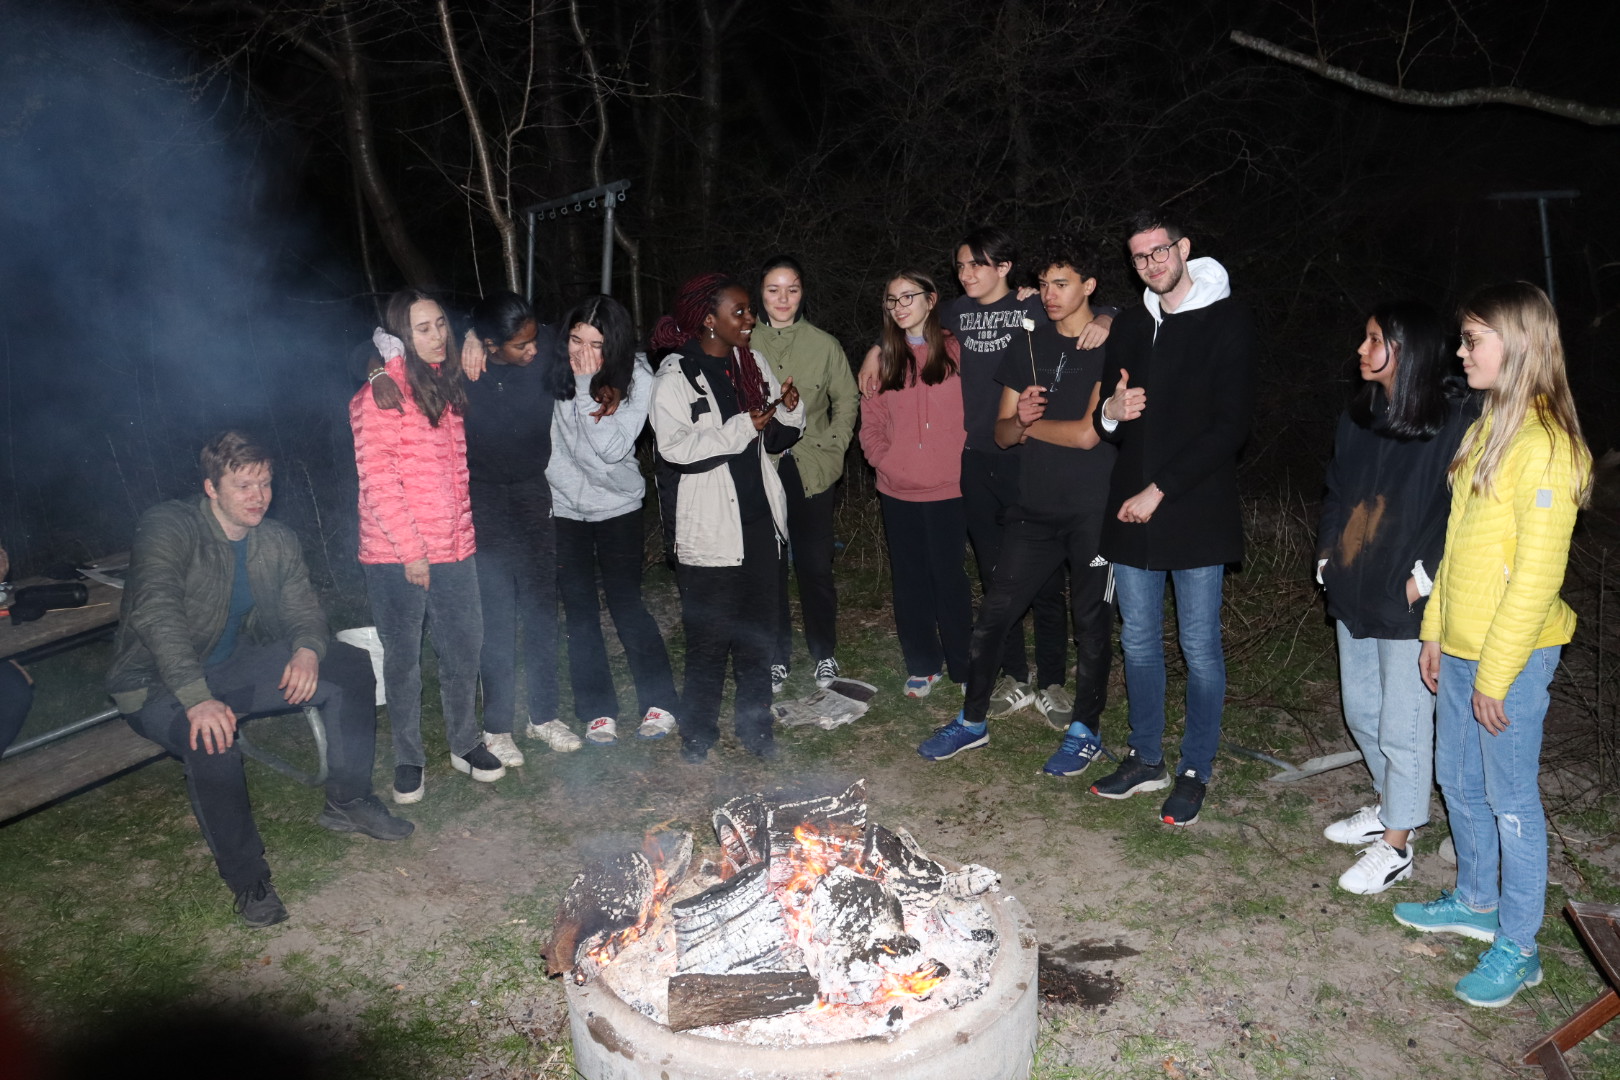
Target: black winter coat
<point>1383,509</point>
<point>1198,371</point>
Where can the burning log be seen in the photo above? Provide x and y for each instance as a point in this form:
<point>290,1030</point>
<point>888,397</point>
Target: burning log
<point>611,902</point>
<point>698,1000</point>
<point>751,827</point>
<point>734,927</point>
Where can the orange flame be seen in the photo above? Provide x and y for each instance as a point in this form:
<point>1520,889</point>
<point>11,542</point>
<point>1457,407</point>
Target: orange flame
<point>918,984</point>
<point>604,953</point>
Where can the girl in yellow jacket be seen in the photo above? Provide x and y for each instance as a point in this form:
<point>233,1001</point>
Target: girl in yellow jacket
<point>1495,627</point>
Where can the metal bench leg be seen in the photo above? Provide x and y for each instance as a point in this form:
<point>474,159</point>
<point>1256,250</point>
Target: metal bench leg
<point>317,730</point>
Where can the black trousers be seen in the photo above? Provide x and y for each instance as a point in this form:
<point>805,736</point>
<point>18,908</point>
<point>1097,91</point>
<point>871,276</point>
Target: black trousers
<point>989,492</point>
<point>16,697</point>
<point>729,612</point>
<point>810,537</point>
<point>614,546</point>
<point>933,605</point>
<point>247,682</point>
<point>517,587</point>
<point>1030,553</point>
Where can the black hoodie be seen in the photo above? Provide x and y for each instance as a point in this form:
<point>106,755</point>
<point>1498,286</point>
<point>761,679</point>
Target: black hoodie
<point>1385,509</point>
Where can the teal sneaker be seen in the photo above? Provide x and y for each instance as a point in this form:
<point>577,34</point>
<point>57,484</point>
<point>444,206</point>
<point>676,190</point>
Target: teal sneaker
<point>1449,915</point>
<point>1501,972</point>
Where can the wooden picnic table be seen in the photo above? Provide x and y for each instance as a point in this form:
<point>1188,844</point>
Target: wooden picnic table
<point>59,763</point>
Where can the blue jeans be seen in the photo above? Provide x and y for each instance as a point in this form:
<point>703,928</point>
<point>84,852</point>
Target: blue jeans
<point>1390,714</point>
<point>1492,795</point>
<point>1198,618</point>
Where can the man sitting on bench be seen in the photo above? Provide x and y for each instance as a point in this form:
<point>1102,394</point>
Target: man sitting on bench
<point>219,623</point>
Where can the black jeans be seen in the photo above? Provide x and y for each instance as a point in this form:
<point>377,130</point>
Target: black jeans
<point>247,682</point>
<point>1030,552</point>
<point>730,611</point>
<point>933,605</point>
<point>16,697</point>
<point>517,586</point>
<point>989,492</point>
<point>810,537</point>
<point>614,545</point>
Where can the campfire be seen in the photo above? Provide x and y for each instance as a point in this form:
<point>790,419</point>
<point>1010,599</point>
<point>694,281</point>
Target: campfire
<point>811,924</point>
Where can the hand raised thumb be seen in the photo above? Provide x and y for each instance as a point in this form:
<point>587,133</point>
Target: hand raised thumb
<point>1124,378</point>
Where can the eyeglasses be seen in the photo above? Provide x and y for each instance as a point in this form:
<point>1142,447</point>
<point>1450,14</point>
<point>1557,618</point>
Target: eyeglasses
<point>903,300</point>
<point>1158,255</point>
<point>1470,340</point>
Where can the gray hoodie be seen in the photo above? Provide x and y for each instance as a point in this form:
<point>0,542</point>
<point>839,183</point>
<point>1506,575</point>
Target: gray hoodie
<point>594,473</point>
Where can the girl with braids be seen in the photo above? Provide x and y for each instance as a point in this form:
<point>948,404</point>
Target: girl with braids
<point>717,411</point>
<point>1383,529</point>
<point>597,488</point>
<point>416,537</point>
<point>912,433</point>
<point>1494,628</point>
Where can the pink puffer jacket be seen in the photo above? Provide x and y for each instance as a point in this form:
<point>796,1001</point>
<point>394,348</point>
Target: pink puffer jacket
<point>413,480</point>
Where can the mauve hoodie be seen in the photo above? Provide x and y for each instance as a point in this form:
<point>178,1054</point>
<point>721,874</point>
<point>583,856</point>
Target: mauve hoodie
<point>914,437</point>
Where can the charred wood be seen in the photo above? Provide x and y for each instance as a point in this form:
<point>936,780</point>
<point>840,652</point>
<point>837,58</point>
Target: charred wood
<point>698,1000</point>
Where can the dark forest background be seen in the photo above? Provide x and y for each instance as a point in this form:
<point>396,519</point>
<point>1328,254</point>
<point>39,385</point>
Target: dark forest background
<point>203,200</point>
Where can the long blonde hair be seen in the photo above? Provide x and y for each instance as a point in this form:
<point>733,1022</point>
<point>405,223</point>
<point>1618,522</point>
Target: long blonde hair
<point>1532,377</point>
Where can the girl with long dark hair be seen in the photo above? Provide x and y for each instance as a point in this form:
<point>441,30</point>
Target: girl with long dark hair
<point>1382,531</point>
<point>718,410</point>
<point>416,538</point>
<point>816,363</point>
<point>1495,627</point>
<point>508,447</point>
<point>597,491</point>
<point>912,433</point>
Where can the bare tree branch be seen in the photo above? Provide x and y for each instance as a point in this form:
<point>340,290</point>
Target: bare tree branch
<point>1597,115</point>
<point>486,167</point>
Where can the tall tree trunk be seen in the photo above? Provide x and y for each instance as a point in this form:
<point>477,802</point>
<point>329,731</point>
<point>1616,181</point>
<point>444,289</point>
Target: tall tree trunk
<point>354,85</point>
<point>493,204</point>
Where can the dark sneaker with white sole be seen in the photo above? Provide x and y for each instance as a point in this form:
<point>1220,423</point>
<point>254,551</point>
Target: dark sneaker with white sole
<point>259,906</point>
<point>1073,756</point>
<point>1133,775</point>
<point>1182,807</point>
<point>479,764</point>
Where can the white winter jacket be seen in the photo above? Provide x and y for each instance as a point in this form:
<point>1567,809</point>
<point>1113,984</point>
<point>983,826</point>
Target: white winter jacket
<point>594,474</point>
<point>708,526</point>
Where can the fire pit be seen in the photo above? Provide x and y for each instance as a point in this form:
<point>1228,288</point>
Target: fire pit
<point>817,944</point>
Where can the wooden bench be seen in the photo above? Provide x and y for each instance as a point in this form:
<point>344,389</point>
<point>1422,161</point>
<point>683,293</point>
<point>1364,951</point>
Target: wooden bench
<point>1597,926</point>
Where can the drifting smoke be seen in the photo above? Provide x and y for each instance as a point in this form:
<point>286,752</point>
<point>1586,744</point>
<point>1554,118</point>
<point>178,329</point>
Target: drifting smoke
<point>155,287</point>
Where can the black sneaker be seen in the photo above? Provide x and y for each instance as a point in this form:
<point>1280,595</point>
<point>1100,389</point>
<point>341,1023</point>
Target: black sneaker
<point>479,764</point>
<point>1182,807</point>
<point>364,815</point>
<point>1133,775</point>
<point>694,753</point>
<point>259,906</point>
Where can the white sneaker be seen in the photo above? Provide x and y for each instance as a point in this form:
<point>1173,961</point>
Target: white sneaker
<point>779,674</point>
<point>603,731</point>
<point>555,734</point>
<point>504,748</point>
<point>656,724</point>
<point>1379,867</point>
<point>1362,827</point>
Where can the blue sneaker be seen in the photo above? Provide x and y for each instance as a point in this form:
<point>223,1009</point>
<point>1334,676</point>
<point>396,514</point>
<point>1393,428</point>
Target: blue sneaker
<point>1502,971</point>
<point>952,739</point>
<point>1072,757</point>
<point>1447,914</point>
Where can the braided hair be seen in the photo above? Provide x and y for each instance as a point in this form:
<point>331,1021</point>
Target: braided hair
<point>697,299</point>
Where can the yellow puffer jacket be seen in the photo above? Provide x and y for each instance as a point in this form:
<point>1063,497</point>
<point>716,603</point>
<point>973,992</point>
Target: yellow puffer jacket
<point>1495,598</point>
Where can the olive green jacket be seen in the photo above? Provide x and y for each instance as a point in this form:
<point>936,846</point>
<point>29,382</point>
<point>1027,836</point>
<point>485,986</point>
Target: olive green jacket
<point>826,385</point>
<point>177,596</point>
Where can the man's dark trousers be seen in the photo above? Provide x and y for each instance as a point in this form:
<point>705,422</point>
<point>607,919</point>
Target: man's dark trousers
<point>247,682</point>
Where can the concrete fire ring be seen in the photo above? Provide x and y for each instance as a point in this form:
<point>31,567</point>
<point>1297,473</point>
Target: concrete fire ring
<point>989,1038</point>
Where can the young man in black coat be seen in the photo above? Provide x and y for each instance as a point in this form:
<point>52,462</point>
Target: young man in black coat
<point>1182,373</point>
